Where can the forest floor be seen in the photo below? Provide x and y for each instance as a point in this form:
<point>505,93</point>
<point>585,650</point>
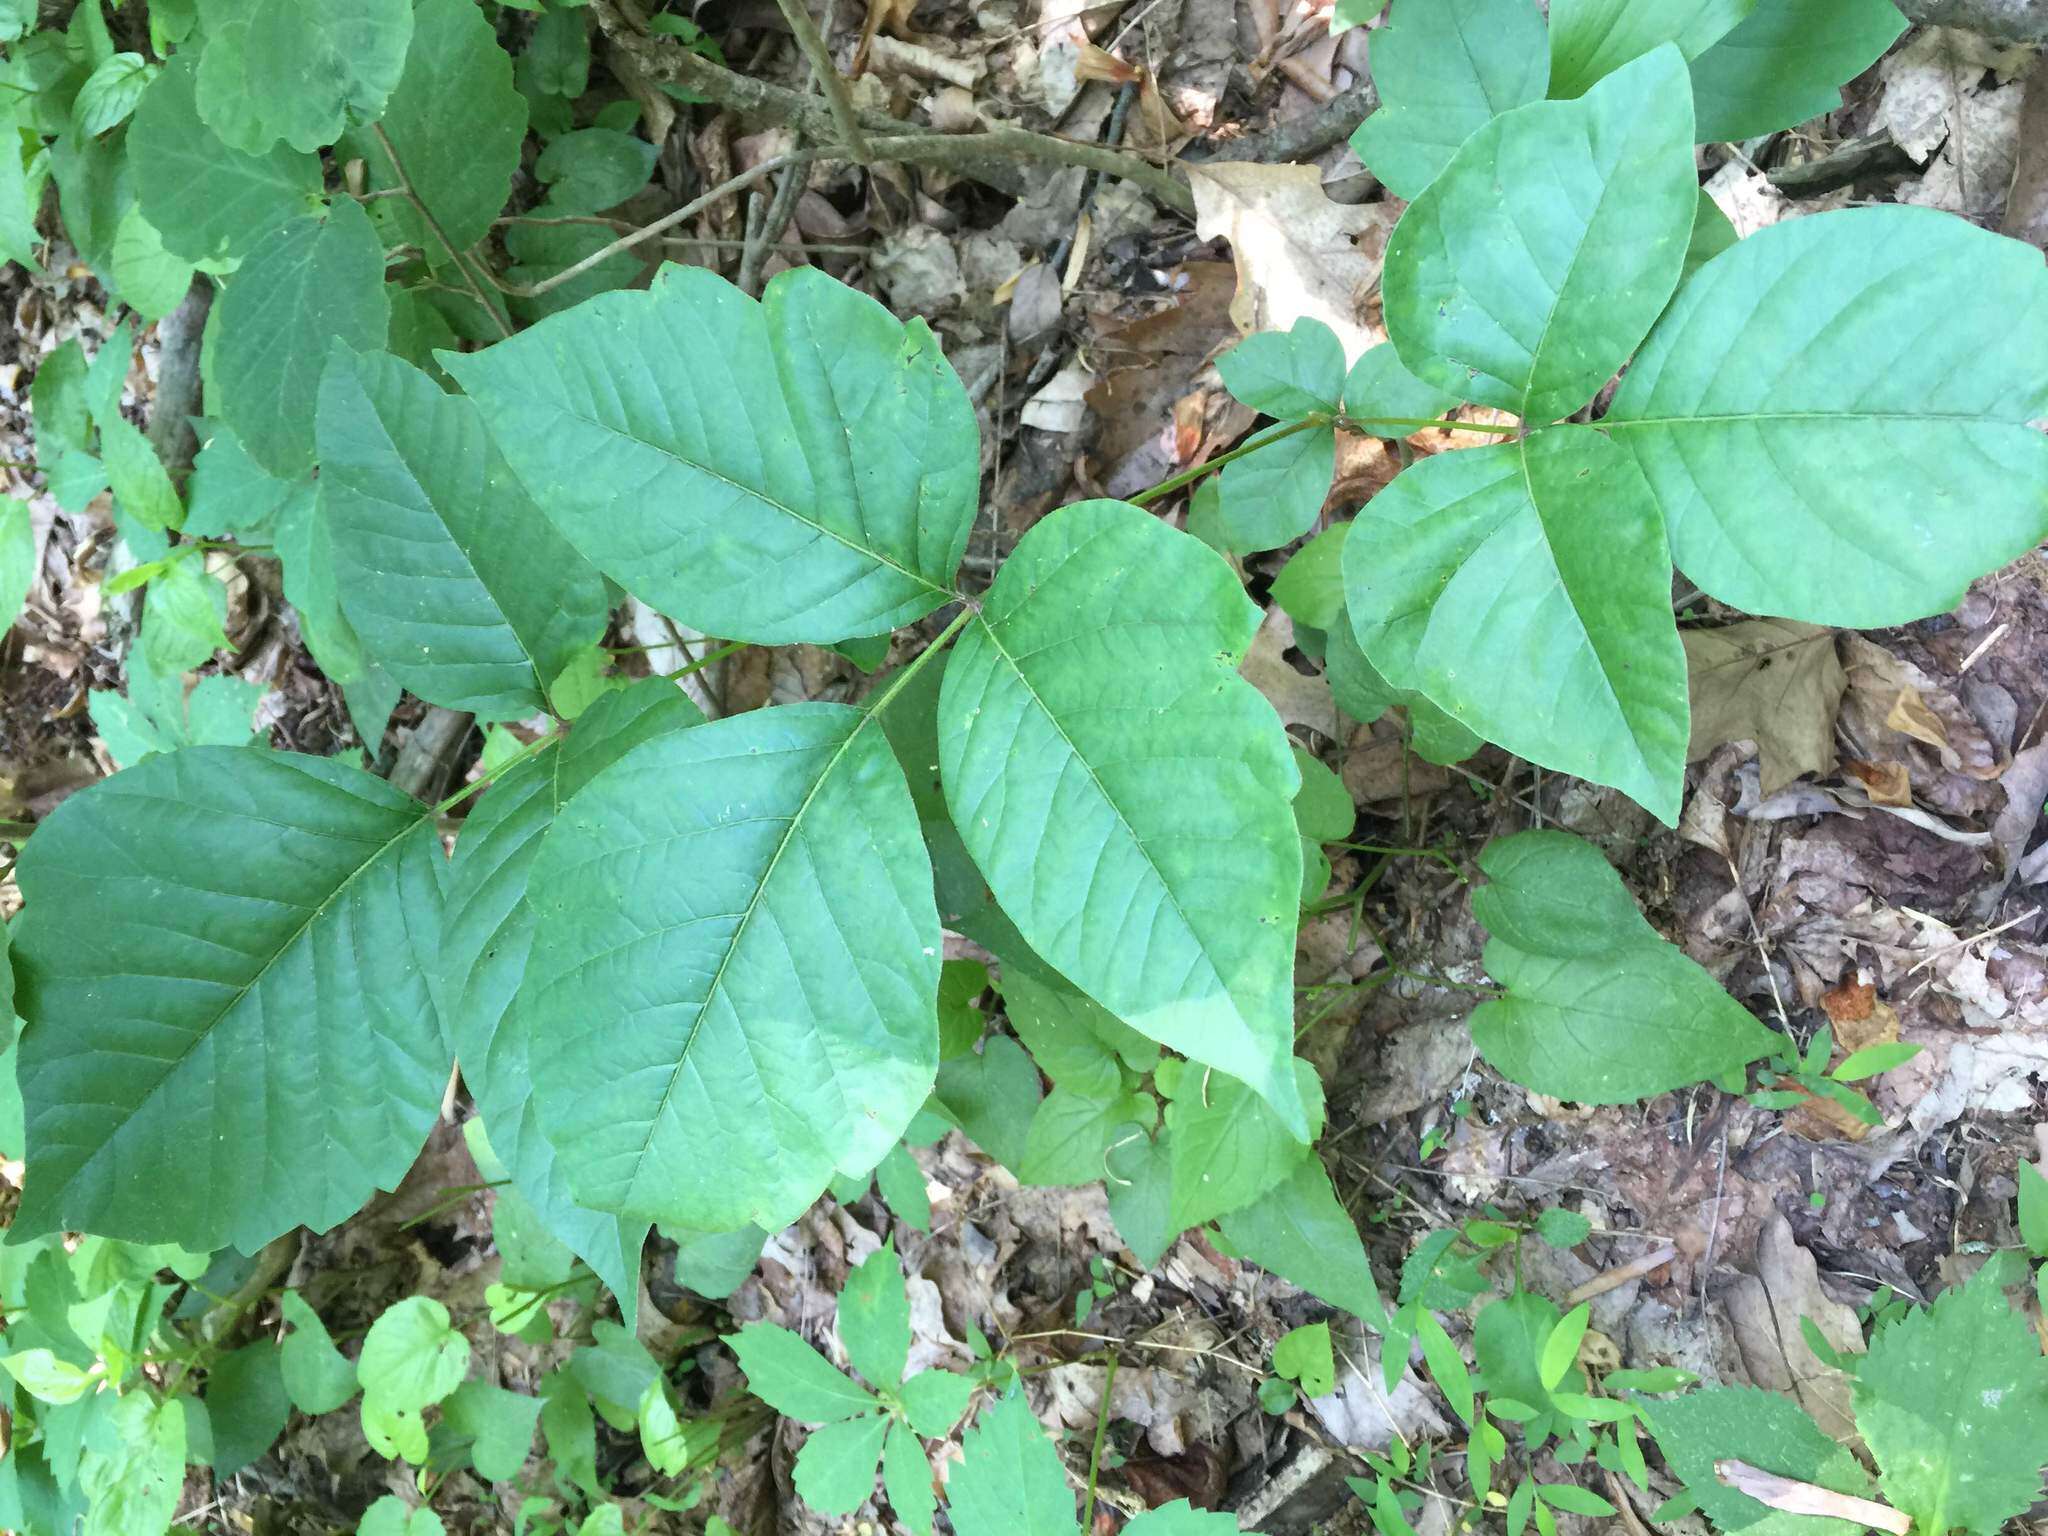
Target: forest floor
<point>1858,846</point>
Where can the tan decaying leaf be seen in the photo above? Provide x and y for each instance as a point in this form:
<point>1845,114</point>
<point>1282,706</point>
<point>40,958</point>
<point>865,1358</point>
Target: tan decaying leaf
<point>1887,783</point>
<point>1927,81</point>
<point>1782,1493</point>
<point>1775,682</point>
<point>1860,1017</point>
<point>1764,1309</point>
<point>1298,254</point>
<point>1299,699</point>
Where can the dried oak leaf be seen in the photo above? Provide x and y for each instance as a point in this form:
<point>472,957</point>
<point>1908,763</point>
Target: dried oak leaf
<point>1775,682</point>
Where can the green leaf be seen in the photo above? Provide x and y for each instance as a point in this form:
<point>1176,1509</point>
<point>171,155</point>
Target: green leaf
<point>934,1400</point>
<point>1590,39</point>
<point>794,1379</point>
<point>1508,1337</point>
<point>1953,1402</point>
<point>142,489</point>
<point>110,93</point>
<point>1181,1518</point>
<point>308,1047</point>
<point>1873,1060</point>
<point>1562,1228</point>
<point>616,1371</point>
<point>662,1439</point>
<point>232,496</point>
<point>907,1479</point>
<point>248,1404</point>
<point>835,1470</point>
<point>1304,1356</point>
<point>654,427</point>
<point>1712,233</point>
<point>19,238</point>
<point>498,1424</point>
<point>715,1264</point>
<point>486,940</point>
<point>1573,1499</point>
<point>1009,1481</point>
<point>133,1469</point>
<point>209,202</point>
<point>399,1434</point>
<point>1323,809</point>
<point>412,1356</point>
<point>1811,452</point>
<point>47,1377</point>
<point>1538,334</point>
<point>1600,1008</point>
<point>317,1376</point>
<point>95,186</point>
<point>569,1430</point>
<point>1787,63</point>
<point>275,69</point>
<point>457,124</point>
<point>151,280</point>
<point>460,586</point>
<point>690,870</point>
<point>1380,387</point>
<point>17,559</point>
<point>993,1096</point>
<point>593,169</point>
<point>1287,374</point>
<point>1273,497</point>
<point>1446,1365</point>
<point>557,57</point>
<point>874,1318</point>
<point>1310,586</point>
<point>392,1516</point>
<point>1139,1182</point>
<point>1228,1148</point>
<point>901,1182</point>
<point>2034,1209</point>
<point>1444,69</point>
<point>1561,1349</point>
<point>1098,674</point>
<point>302,288</point>
<point>1071,1132</point>
<point>1768,1430</point>
<point>1303,1234</point>
<point>1577,664</point>
<point>181,623</point>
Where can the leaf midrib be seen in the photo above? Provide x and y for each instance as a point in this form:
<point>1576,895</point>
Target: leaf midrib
<point>1623,423</point>
<point>1173,899</point>
<point>761,496</point>
<point>205,1033</point>
<point>732,947</point>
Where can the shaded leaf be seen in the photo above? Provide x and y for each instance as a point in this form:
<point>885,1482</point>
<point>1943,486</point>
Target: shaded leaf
<point>1540,333</point>
<point>1096,749</point>
<point>687,873</point>
<point>1812,451</point>
<point>236,1091</point>
<point>1303,1234</point>
<point>1578,664</point>
<point>1444,69</point>
<point>835,1470</point>
<point>1009,1481</point>
<point>652,426</point>
<point>1599,1008</point>
<point>874,1318</point>
<point>303,287</point>
<point>459,584</point>
<point>209,202</point>
<point>793,1378</point>
<point>1786,63</point>
<point>1590,39</point>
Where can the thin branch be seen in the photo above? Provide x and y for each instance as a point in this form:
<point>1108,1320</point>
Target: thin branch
<point>969,154</point>
<point>665,222</point>
<point>426,214</point>
<point>798,14</point>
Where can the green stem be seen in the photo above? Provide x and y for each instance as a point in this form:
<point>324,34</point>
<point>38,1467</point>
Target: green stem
<point>1366,424</point>
<point>1190,476</point>
<point>531,749</point>
<point>1095,1454</point>
<point>703,661</point>
<point>902,679</point>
